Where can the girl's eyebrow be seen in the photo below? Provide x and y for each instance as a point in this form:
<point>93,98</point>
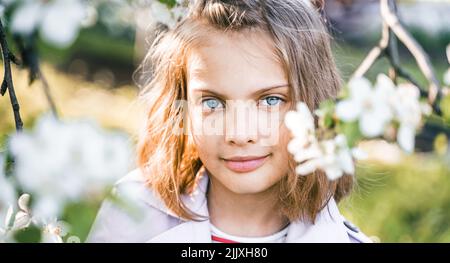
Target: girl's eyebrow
<point>254,94</point>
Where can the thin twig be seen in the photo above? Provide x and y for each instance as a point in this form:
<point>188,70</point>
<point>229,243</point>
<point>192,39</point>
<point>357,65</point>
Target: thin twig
<point>29,54</point>
<point>391,30</point>
<point>7,83</point>
<point>376,52</point>
<point>47,92</point>
<point>414,47</point>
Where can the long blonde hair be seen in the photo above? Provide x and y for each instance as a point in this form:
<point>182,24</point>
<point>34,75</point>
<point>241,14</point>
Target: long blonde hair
<point>168,159</point>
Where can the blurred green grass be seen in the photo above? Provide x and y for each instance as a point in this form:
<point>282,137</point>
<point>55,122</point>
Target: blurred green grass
<point>405,202</point>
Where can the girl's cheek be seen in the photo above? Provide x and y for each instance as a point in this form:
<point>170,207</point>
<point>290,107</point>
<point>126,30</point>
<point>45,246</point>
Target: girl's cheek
<point>270,128</point>
<point>203,124</point>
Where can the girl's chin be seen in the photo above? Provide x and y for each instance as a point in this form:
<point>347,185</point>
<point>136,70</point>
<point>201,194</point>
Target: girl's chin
<point>249,183</point>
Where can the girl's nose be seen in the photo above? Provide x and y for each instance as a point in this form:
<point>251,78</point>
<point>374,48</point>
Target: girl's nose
<point>241,124</point>
<point>240,139</point>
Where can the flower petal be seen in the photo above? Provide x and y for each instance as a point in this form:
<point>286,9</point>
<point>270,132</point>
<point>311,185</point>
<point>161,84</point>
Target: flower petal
<point>346,161</point>
<point>308,153</point>
<point>333,172</point>
<point>22,220</point>
<point>384,87</point>
<point>308,167</point>
<point>161,13</point>
<point>27,17</point>
<point>447,77</point>
<point>348,110</point>
<point>62,22</point>
<point>360,88</point>
<point>371,124</point>
<point>448,53</point>
<point>24,201</point>
<point>406,137</point>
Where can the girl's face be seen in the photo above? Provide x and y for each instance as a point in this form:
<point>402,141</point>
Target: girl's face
<point>238,95</point>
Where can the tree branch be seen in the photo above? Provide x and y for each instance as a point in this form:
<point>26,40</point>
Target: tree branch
<point>374,54</point>
<point>414,47</point>
<point>7,83</point>
<point>391,30</point>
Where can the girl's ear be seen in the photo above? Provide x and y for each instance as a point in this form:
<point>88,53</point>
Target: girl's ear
<point>319,4</point>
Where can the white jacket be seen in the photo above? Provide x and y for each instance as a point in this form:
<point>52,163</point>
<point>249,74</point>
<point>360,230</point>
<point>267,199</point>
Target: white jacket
<point>152,221</point>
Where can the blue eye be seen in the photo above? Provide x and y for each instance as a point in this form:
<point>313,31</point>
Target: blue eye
<point>271,101</point>
<point>211,104</point>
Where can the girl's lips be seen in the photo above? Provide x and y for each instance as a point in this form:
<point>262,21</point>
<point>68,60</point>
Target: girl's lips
<point>245,164</point>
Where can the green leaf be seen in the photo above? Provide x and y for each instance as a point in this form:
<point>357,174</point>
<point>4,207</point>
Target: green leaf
<point>169,3</point>
<point>31,234</point>
<point>80,217</point>
<point>351,131</point>
<point>326,109</point>
<point>328,121</point>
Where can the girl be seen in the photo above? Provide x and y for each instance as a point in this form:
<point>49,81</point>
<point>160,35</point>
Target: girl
<point>213,164</point>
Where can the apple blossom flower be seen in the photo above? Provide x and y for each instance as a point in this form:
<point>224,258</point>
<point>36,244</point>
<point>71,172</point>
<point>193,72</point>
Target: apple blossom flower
<point>59,21</point>
<point>448,53</point>
<point>7,199</point>
<point>62,162</point>
<point>5,222</point>
<point>331,156</point>
<point>11,221</point>
<point>53,231</point>
<point>168,16</point>
<point>23,217</point>
<point>301,124</point>
<point>375,107</point>
<point>447,73</point>
<point>369,105</point>
<point>408,111</point>
<point>447,77</point>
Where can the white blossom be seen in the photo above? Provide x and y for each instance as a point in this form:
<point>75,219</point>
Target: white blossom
<point>27,17</point>
<point>447,77</point>
<point>169,16</point>
<point>408,111</point>
<point>5,220</point>
<point>301,124</point>
<point>62,21</point>
<point>13,221</point>
<point>369,105</point>
<point>375,107</point>
<point>23,217</point>
<point>161,13</point>
<point>447,73</point>
<point>62,162</point>
<point>59,21</point>
<point>53,231</point>
<point>331,156</point>
<point>7,199</point>
<point>448,53</point>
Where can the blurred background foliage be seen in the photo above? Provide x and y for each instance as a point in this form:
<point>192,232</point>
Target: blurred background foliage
<point>399,199</point>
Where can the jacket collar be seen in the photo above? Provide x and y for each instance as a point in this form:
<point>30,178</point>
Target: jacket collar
<point>328,228</point>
